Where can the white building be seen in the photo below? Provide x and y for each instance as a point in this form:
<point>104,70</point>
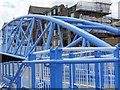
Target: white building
<point>102,6</point>
<point>103,1</point>
<point>119,9</point>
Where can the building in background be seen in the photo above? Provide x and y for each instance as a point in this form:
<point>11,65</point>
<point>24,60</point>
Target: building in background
<point>60,10</point>
<point>38,10</point>
<point>94,11</point>
<point>119,9</point>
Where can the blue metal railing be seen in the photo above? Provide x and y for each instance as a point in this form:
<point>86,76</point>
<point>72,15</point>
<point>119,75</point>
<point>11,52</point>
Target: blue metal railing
<point>60,72</point>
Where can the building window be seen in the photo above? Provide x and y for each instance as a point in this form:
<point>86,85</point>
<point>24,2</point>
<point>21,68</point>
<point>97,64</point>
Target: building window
<point>58,42</point>
<point>54,43</point>
<point>54,11</point>
<point>58,9</point>
<point>46,35</point>
<point>54,32</point>
<point>49,13</point>
<point>72,15</point>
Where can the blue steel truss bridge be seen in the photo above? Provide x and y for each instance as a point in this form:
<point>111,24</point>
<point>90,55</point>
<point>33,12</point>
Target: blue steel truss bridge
<point>29,59</point>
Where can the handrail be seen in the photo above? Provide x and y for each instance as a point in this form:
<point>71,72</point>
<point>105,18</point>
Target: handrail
<point>76,61</point>
<point>42,52</point>
<point>79,49</point>
<point>89,48</point>
<point>15,56</point>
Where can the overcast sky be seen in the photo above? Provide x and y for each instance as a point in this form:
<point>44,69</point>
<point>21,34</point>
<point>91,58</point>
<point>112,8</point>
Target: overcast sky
<point>16,8</point>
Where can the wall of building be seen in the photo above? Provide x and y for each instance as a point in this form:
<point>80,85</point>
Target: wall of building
<point>119,9</point>
<point>112,41</point>
<point>103,1</point>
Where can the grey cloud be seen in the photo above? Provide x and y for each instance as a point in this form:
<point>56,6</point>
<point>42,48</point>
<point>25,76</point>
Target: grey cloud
<point>8,4</point>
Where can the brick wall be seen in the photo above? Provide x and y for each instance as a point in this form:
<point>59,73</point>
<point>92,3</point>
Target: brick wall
<point>112,41</point>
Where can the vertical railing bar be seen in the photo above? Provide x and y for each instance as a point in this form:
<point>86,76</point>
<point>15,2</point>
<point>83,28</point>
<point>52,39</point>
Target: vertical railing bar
<point>8,68</point>
<point>117,69</point>
<point>13,68</point>
<point>97,77</point>
<point>102,75</point>
<point>2,69</point>
<point>83,45</point>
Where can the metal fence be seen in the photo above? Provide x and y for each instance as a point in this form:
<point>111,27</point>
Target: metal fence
<point>64,69</point>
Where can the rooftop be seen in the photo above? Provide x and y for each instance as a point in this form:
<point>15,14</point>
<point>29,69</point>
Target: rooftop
<point>38,10</point>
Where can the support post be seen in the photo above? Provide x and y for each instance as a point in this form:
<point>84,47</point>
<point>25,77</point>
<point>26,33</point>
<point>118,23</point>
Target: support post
<point>19,78</point>
<point>18,82</point>
<point>0,70</point>
<point>97,78</point>
<point>31,57</point>
<point>56,69</point>
<point>117,69</point>
<point>33,73</point>
<point>72,72</point>
<point>8,68</point>
<point>102,75</point>
<point>33,78</point>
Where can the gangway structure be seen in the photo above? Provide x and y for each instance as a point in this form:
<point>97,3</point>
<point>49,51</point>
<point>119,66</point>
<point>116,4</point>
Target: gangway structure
<point>93,65</point>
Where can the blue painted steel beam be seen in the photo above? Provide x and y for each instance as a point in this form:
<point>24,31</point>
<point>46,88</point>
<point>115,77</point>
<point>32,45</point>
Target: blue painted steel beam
<point>30,36</point>
<point>72,72</point>
<point>74,20</point>
<point>75,42</point>
<point>60,35</point>
<point>83,45</point>
<point>117,68</point>
<point>12,55</point>
<point>37,41</point>
<point>105,60</point>
<point>12,40</point>
<point>23,38</point>
<point>33,73</point>
<point>88,44</point>
<point>80,32</point>
<point>49,39</point>
<point>90,27</point>
<point>102,75</point>
<point>13,69</point>
<point>41,28</point>
<point>56,69</point>
<point>18,36</point>
<point>6,36</point>
<point>75,37</point>
<point>16,76</point>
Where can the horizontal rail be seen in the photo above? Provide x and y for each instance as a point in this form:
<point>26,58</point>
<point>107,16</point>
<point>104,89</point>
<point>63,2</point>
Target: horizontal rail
<point>79,49</point>
<point>42,52</point>
<point>15,56</point>
<point>77,61</point>
<point>89,48</point>
<point>79,53</point>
